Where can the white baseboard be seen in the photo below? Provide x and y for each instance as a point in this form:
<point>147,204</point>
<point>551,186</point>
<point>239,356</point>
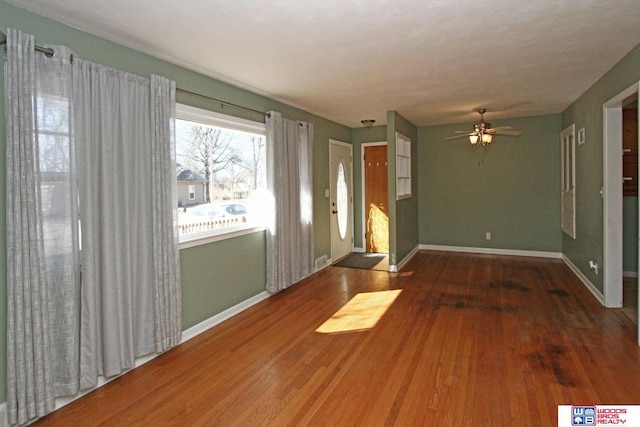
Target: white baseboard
<point>395,268</point>
<point>221,317</point>
<point>186,336</point>
<point>493,251</point>
<point>585,281</point>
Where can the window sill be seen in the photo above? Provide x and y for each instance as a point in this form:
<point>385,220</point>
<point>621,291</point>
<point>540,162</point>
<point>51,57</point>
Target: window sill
<point>197,239</point>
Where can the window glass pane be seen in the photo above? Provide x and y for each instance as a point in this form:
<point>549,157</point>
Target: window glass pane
<point>221,177</point>
<point>342,201</point>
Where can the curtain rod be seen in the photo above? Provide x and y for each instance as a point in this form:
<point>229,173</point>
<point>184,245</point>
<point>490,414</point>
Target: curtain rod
<point>47,51</point>
<point>219,101</point>
<point>50,52</point>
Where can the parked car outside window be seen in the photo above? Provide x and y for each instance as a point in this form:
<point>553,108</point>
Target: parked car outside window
<point>234,208</point>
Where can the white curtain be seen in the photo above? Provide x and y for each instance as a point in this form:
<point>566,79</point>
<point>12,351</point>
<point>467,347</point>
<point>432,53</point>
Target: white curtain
<point>164,201</point>
<point>130,265</point>
<point>42,267</point>
<point>290,182</point>
<point>91,146</point>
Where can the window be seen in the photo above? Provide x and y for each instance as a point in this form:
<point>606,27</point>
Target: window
<point>227,155</point>
<point>342,201</point>
<point>403,167</point>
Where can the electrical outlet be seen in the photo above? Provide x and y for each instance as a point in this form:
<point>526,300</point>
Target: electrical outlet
<point>593,266</point>
<point>488,236</point>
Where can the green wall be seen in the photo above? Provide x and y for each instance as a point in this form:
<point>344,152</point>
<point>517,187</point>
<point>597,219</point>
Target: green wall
<point>511,189</point>
<point>587,112</point>
<point>214,276</point>
<point>459,193</point>
<point>403,214</point>
<point>207,291</point>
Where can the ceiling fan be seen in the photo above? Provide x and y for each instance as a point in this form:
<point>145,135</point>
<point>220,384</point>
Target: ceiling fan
<point>483,132</point>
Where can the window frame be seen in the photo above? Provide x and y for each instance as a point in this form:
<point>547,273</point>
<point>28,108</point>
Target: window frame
<point>403,167</point>
<point>212,118</point>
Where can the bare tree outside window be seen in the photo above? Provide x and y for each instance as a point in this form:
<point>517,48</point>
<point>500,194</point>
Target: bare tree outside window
<point>230,164</point>
<point>206,150</point>
<point>254,161</point>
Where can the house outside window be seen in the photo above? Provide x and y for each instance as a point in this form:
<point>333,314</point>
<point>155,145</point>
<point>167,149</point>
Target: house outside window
<point>221,175</point>
<point>190,187</point>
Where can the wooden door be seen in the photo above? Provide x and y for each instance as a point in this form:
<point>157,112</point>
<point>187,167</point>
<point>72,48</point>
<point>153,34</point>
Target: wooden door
<point>376,199</point>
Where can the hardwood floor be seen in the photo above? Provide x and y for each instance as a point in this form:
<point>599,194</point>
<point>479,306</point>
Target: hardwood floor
<point>471,340</point>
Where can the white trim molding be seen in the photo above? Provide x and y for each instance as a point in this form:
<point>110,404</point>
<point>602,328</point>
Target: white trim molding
<point>209,323</point>
<point>204,238</point>
<point>492,251</point>
<point>612,196</point>
<point>186,336</point>
<point>398,267</point>
<point>539,254</point>
<point>585,281</point>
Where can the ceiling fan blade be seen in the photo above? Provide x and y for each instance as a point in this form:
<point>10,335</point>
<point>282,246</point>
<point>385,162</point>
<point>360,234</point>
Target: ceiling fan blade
<point>459,136</point>
<point>501,128</point>
<point>461,131</point>
<point>509,132</point>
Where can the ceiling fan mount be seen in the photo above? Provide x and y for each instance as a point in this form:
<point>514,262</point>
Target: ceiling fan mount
<point>483,133</point>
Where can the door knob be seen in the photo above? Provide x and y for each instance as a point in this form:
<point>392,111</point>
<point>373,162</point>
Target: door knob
<point>334,211</point>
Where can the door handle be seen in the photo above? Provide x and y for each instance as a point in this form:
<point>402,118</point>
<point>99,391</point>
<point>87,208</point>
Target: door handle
<point>334,212</point>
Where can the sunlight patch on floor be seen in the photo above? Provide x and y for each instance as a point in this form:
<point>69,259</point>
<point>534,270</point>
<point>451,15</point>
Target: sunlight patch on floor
<point>361,313</point>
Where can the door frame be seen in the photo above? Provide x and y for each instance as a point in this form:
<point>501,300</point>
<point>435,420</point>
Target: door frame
<point>612,194</point>
<point>364,189</point>
<point>612,203</point>
<point>334,142</point>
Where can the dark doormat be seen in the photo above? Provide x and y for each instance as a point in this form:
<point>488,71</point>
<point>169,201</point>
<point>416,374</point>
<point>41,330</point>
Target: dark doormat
<point>363,260</point>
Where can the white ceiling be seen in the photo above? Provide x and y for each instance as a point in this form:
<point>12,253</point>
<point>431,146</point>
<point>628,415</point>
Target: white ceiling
<point>433,61</point>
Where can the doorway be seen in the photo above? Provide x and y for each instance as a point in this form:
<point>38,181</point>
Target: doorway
<point>630,207</point>
<point>341,199</point>
<point>613,199</point>
<point>376,199</point>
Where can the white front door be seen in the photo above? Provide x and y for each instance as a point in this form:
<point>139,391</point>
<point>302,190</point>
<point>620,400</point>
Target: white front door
<point>341,199</point>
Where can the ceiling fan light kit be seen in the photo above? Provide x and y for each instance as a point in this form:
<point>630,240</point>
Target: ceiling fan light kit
<point>483,132</point>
